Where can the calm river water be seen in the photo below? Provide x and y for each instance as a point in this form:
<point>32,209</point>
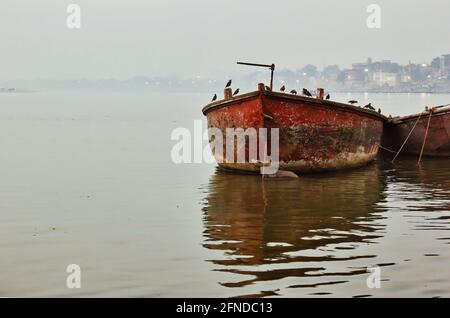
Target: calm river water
<point>88,179</point>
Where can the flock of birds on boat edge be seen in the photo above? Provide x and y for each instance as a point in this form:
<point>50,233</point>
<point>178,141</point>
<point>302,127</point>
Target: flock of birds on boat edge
<point>305,92</point>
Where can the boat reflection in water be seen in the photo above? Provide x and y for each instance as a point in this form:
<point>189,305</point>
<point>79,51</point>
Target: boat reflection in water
<point>306,232</point>
<point>424,187</point>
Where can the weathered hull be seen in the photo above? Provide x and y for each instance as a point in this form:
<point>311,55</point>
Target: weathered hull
<point>314,134</point>
<point>437,143</point>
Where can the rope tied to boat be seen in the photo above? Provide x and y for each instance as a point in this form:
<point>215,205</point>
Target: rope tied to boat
<point>426,135</point>
<point>407,138</point>
<point>387,149</point>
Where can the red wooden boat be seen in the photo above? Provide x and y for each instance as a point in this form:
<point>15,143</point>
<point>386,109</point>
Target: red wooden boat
<point>314,134</point>
<point>427,133</point>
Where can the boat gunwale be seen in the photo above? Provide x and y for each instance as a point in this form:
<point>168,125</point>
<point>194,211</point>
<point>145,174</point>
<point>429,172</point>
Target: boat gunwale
<point>403,119</point>
<point>322,102</point>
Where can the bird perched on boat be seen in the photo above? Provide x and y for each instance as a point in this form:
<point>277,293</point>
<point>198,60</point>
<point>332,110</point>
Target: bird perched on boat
<point>228,84</point>
<point>369,106</point>
<point>327,97</point>
<point>282,89</point>
<point>294,92</point>
<point>236,91</point>
<point>267,88</point>
<point>379,110</point>
<point>306,92</point>
<point>214,97</point>
<point>353,102</point>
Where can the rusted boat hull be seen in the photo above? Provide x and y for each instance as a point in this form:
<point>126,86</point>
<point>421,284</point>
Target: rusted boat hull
<point>314,134</point>
<point>437,141</point>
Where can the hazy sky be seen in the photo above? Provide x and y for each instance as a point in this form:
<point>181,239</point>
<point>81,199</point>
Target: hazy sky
<point>122,39</point>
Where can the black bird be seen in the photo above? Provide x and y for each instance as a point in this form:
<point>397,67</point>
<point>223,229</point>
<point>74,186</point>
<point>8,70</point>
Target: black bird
<point>228,84</point>
<point>327,97</point>
<point>306,92</point>
<point>283,88</point>
<point>379,110</point>
<point>214,97</point>
<point>236,91</point>
<point>369,106</point>
<point>267,88</point>
<point>294,92</point>
<point>353,102</point>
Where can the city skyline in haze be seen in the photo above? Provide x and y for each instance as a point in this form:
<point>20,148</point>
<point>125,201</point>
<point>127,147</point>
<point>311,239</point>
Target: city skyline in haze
<point>123,39</point>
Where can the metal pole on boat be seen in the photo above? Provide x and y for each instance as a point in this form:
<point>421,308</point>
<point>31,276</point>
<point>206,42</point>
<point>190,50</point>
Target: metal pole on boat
<point>271,66</point>
<point>272,69</point>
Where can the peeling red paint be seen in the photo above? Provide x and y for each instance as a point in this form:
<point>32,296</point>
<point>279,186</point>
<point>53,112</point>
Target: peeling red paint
<point>315,134</point>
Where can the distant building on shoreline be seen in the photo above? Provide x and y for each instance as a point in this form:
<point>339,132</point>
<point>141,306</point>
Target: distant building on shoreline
<point>369,76</point>
<point>386,76</point>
